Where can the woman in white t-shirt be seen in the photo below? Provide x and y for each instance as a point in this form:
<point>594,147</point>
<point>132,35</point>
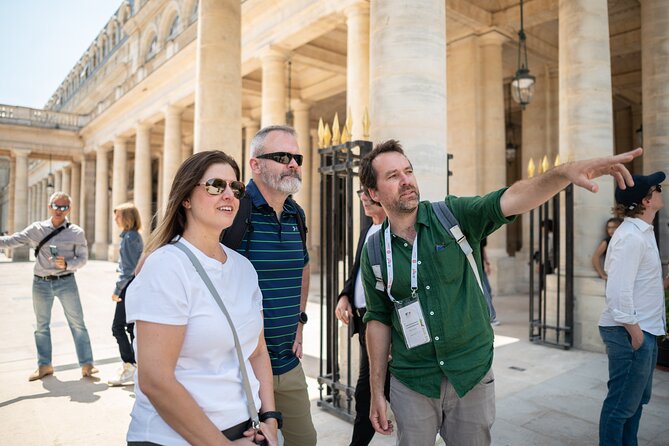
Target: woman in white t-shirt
<point>189,387</point>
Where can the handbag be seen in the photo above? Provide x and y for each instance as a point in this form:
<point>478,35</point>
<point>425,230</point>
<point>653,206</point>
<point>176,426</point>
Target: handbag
<point>250,404</point>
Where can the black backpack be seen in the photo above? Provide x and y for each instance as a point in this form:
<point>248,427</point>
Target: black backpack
<point>232,237</point>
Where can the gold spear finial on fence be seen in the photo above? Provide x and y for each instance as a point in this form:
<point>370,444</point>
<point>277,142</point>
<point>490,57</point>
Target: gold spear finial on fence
<point>530,168</point>
<point>335,130</point>
<point>345,135</point>
<point>349,123</point>
<point>321,133</point>
<point>544,164</point>
<point>327,136</point>
<point>365,124</point>
<point>557,160</point>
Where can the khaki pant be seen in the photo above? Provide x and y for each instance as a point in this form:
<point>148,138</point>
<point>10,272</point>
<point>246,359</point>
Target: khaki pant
<point>292,400</point>
<point>459,421</point>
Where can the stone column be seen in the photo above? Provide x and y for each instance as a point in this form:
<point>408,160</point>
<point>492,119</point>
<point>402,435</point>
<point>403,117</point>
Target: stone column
<point>142,177</point>
<point>250,129</point>
<point>44,200</point>
<point>493,140</point>
<point>161,194</point>
<point>301,113</point>
<point>40,201</point>
<point>11,225</point>
<point>31,203</point>
<point>65,180</point>
<point>273,87</point>
<point>413,60</point>
<point>21,202</point>
<point>172,150</point>
<point>186,151</point>
<point>87,196</point>
<point>655,91</point>
<point>75,192</point>
<point>58,181</point>
<point>218,88</point>
<point>357,65</point>
<point>586,131</point>
<point>100,247</point>
<point>119,190</point>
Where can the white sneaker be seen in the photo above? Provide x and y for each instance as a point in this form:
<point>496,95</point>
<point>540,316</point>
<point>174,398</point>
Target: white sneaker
<point>126,375</point>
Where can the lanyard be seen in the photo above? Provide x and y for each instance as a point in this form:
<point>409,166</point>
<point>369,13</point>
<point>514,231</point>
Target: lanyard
<point>389,265</point>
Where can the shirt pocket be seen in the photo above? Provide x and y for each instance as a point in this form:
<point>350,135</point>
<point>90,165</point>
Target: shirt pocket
<point>449,259</point>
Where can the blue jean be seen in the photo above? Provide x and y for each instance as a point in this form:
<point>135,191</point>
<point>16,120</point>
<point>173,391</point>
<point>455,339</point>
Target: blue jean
<point>67,292</point>
<point>630,385</point>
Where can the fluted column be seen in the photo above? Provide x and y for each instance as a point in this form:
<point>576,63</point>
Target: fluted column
<point>102,217</point>
<point>40,201</point>
<point>218,88</point>
<point>44,199</point>
<point>75,193</point>
<point>172,150</point>
<point>142,177</point>
<point>586,130</point>
<point>12,195</point>
<point>58,181</point>
<point>413,60</point>
<point>273,87</point>
<point>31,203</point>
<point>655,90</point>
<point>65,180</point>
<point>357,64</point>
<point>21,202</point>
<point>250,129</point>
<point>492,134</point>
<point>301,111</point>
<point>119,189</point>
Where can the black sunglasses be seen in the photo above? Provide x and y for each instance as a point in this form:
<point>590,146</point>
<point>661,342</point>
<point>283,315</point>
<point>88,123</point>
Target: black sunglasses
<point>61,208</point>
<point>216,186</point>
<point>282,157</point>
<point>658,188</point>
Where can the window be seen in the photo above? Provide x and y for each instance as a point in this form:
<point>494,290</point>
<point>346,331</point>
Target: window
<point>153,48</point>
<point>174,28</point>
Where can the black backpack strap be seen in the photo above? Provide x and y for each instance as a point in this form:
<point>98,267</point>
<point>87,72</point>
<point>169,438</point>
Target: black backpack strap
<point>49,236</point>
<point>301,224</point>
<point>373,247</point>
<point>232,237</point>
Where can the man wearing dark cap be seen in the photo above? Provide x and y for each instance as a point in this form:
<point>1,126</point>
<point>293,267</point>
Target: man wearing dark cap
<point>634,313</point>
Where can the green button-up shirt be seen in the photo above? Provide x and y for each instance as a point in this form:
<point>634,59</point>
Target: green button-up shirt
<point>457,315</point>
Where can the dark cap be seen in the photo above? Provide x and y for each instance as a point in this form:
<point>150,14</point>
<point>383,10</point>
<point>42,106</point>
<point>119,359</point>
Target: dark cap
<point>632,196</point>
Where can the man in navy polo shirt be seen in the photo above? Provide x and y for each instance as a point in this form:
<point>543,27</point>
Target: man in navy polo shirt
<point>275,248</point>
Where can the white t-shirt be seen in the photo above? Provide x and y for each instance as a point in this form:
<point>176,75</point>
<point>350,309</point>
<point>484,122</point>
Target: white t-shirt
<point>169,291</point>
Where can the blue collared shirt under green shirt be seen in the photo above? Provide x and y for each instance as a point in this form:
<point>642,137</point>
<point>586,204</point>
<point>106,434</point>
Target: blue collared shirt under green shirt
<point>454,306</point>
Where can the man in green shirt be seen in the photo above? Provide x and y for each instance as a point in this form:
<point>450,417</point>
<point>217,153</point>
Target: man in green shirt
<point>435,315</point>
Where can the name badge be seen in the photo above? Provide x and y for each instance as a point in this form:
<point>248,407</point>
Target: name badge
<point>412,321</point>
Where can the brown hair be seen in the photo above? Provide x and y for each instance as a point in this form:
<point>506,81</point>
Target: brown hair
<point>130,219</point>
<point>185,180</point>
<point>366,172</point>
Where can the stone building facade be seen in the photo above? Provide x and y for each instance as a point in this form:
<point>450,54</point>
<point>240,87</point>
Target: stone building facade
<point>166,78</point>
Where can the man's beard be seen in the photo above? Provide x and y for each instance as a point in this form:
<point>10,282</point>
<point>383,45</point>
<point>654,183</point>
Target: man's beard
<point>405,205</point>
<point>288,183</point>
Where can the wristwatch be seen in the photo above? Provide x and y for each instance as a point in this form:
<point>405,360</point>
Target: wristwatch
<point>272,414</point>
<point>303,318</point>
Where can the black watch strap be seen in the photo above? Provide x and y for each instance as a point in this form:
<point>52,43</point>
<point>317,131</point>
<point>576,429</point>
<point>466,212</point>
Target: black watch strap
<point>272,414</point>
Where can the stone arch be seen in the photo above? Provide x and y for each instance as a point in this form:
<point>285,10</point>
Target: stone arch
<point>124,12</point>
<point>149,43</point>
<point>171,13</point>
<point>189,11</point>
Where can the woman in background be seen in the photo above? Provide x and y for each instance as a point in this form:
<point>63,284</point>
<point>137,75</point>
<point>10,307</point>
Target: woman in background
<point>600,253</point>
<point>126,217</point>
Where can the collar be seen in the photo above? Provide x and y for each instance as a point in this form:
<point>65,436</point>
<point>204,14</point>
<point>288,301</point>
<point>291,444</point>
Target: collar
<point>259,201</point>
<point>423,216</point>
<point>48,223</point>
<point>640,224</point>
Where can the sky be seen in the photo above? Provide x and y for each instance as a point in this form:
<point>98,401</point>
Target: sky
<point>41,42</point>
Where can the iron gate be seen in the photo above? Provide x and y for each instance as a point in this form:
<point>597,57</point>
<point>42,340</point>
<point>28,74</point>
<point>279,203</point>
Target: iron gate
<point>338,167</point>
<point>551,277</point>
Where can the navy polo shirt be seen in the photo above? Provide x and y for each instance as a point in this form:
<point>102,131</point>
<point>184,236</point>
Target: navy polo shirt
<point>277,253</point>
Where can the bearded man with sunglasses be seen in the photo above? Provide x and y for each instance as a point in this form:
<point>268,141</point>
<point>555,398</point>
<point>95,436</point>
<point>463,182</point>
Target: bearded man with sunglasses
<point>60,250</point>
<point>273,242</point>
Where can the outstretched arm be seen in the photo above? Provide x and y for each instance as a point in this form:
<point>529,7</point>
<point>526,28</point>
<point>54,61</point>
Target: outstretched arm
<point>527,194</point>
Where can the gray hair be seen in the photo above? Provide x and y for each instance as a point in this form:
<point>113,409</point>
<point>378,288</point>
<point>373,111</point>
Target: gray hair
<point>59,194</point>
<point>259,138</point>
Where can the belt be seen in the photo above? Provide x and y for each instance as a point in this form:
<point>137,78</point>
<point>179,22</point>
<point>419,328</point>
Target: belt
<point>53,277</point>
<point>360,312</point>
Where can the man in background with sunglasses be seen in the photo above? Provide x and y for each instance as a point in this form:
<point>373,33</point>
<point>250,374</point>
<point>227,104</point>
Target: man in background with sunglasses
<point>60,250</point>
<point>273,242</point>
<point>634,313</point>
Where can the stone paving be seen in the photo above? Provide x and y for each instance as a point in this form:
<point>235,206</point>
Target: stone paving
<point>545,396</point>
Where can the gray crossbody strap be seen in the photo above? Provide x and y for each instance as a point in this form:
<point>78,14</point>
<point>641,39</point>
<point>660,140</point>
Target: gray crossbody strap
<point>250,404</point>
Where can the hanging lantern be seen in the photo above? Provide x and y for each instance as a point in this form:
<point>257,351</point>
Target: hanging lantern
<point>522,85</point>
